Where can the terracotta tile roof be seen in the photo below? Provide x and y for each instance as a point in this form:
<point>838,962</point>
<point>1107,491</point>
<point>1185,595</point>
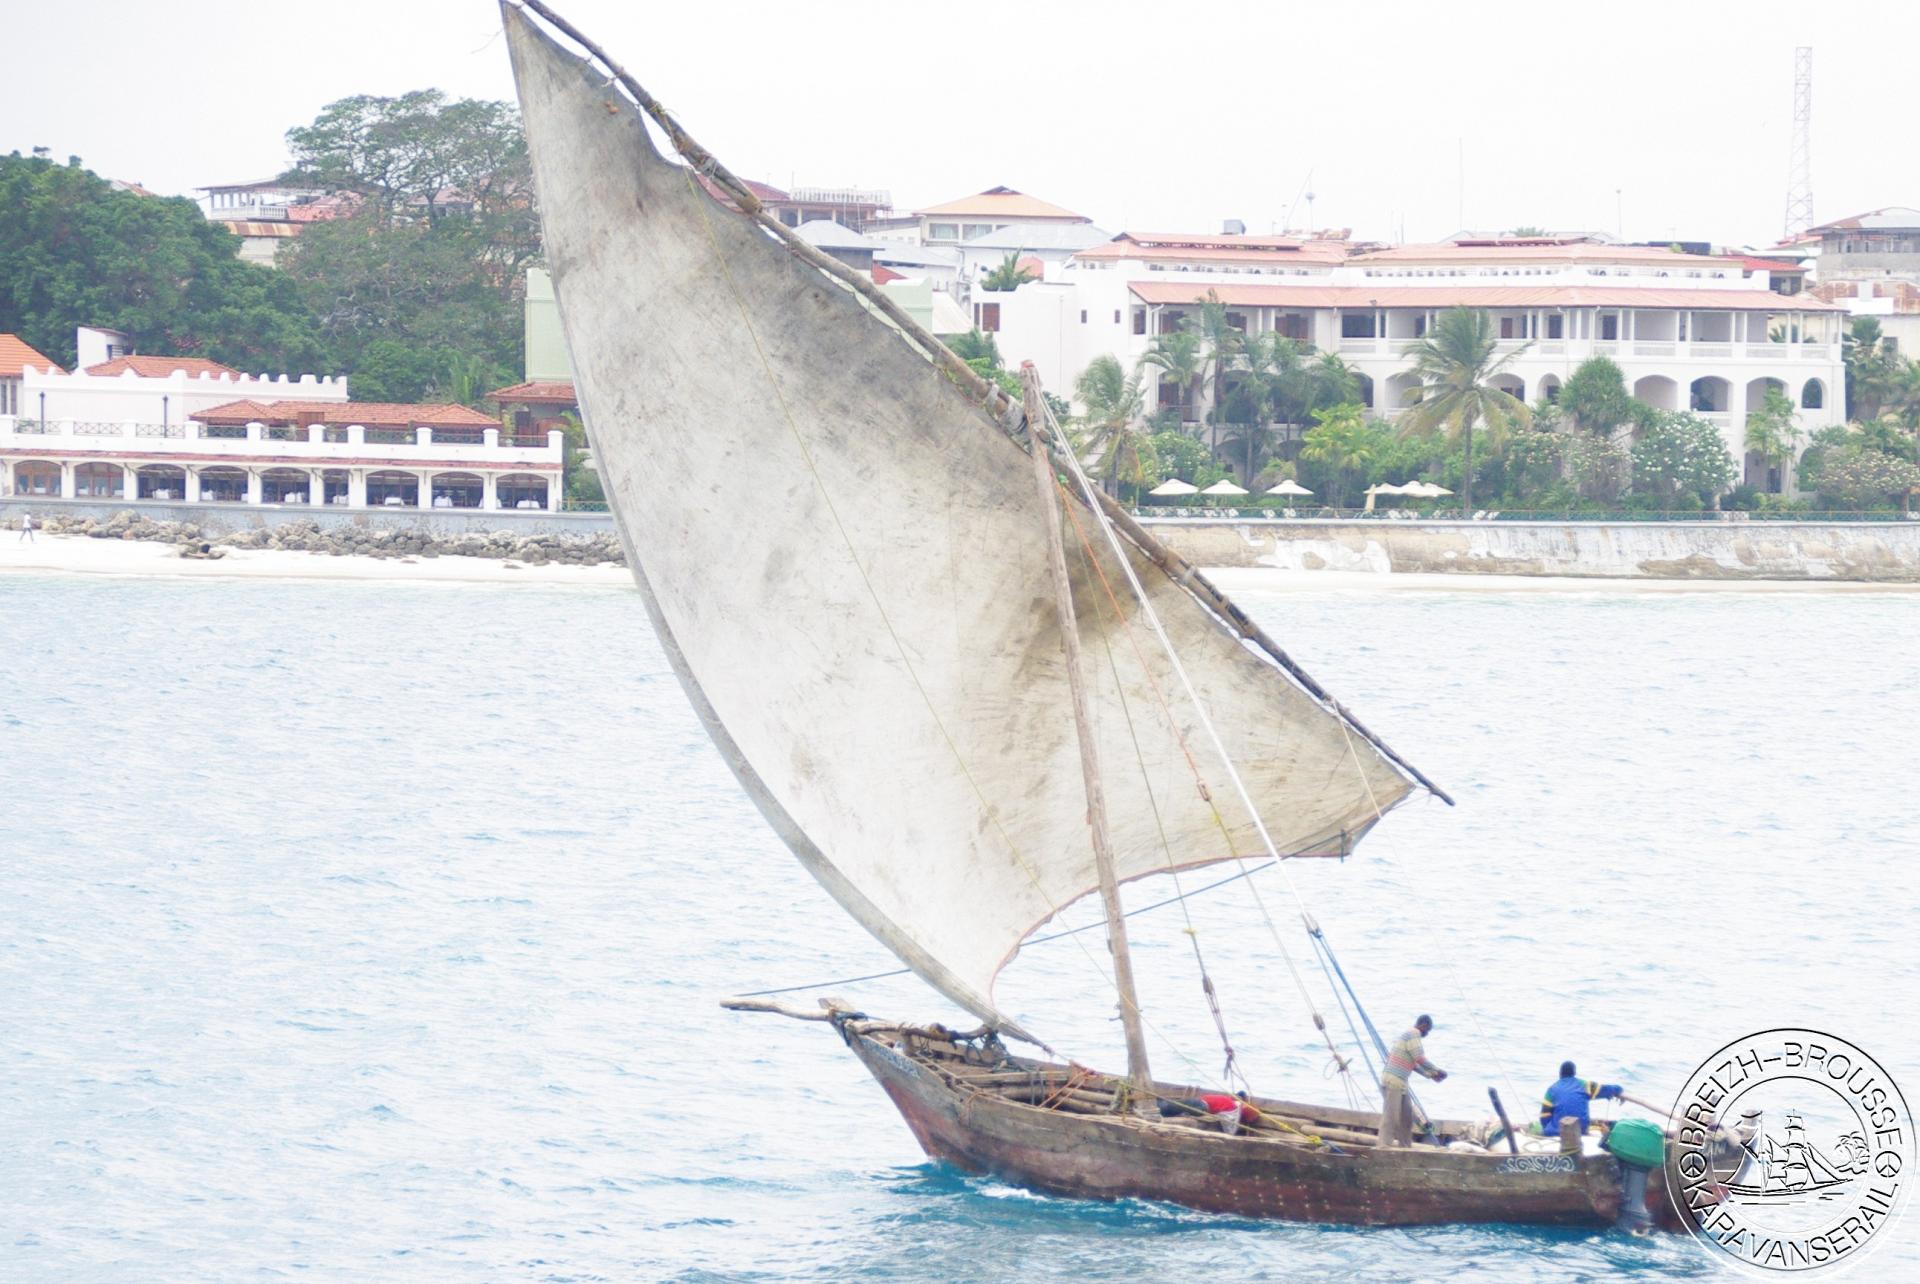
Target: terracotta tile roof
<point>542,391</point>
<point>1779,267</point>
<point>1002,202</point>
<point>1538,252</point>
<point>883,274</point>
<point>16,353</point>
<point>1199,248</point>
<point>378,414</point>
<point>767,192</point>
<point>1475,296</point>
<point>160,367</point>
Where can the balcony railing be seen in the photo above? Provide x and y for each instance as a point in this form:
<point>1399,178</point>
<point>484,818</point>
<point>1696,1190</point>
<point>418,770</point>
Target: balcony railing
<point>160,430</point>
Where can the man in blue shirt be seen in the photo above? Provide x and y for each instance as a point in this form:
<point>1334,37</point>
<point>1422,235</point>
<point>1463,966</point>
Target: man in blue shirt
<point>1568,1098</point>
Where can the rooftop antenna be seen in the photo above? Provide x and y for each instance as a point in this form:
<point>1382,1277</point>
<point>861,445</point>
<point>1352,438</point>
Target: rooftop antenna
<point>1800,157</point>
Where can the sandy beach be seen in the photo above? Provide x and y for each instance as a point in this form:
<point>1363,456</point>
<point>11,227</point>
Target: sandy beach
<point>81,555</point>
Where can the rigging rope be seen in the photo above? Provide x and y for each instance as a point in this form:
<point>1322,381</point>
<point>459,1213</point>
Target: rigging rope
<point>1038,940</point>
<point>1206,722</point>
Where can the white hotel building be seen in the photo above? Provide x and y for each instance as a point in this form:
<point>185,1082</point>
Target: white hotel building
<point>1688,331</point>
<point>187,430</point>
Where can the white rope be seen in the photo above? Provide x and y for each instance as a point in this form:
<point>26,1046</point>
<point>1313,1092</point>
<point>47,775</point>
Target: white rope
<point>1193,698</point>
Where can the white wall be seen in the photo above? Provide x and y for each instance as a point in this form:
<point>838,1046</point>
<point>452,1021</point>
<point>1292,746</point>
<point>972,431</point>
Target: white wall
<point>133,399</point>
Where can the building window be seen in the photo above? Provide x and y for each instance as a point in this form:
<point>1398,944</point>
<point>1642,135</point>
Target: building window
<point>970,230</point>
<point>1139,320</point>
<point>1356,325</point>
<point>9,397</point>
<point>1813,396</point>
<point>1083,316</point>
<point>986,317</point>
<point>943,232</point>
<point>1238,320</point>
<point>1116,316</point>
<point>1556,326</point>
<point>1609,326</point>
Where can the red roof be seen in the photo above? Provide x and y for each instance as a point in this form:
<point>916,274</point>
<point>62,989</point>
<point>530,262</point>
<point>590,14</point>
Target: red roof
<point>767,192</point>
<point>1779,267</point>
<point>16,353</point>
<point>379,414</point>
<point>1199,248</point>
<point>1474,296</point>
<point>883,274</point>
<point>1538,252</point>
<point>537,391</point>
<point>160,367</point>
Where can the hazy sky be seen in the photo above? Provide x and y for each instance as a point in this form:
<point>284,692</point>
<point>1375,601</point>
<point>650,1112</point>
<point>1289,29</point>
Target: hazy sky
<point>1168,116</point>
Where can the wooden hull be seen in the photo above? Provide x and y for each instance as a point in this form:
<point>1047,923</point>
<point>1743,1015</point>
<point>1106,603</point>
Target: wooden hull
<point>1118,1156</point>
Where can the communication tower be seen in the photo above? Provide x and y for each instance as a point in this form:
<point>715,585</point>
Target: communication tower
<point>1800,158</point>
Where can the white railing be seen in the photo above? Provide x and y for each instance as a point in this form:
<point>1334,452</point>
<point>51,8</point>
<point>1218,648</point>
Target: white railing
<point>299,445</point>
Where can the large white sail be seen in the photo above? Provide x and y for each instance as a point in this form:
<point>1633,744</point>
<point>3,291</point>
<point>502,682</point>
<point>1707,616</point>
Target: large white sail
<point>843,557</point>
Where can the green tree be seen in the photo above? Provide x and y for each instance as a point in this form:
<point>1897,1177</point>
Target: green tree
<point>75,251</point>
<point>1681,457</point>
<point>1871,366</point>
<point>1117,437</point>
<point>1272,386</point>
<point>1343,441</point>
<point>1595,398</point>
<point>1179,454</point>
<point>1222,345</point>
<point>973,345</point>
<point>1179,358</point>
<point>414,286</point>
<point>1456,363</point>
<point>1774,434</point>
<point>1010,275</point>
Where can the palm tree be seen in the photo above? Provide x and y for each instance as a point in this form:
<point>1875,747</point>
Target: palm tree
<point>1008,276</point>
<point>1272,387</point>
<point>1224,344</point>
<point>1117,435</point>
<point>1178,357</point>
<point>1871,368</point>
<point>1457,364</point>
<point>1330,382</point>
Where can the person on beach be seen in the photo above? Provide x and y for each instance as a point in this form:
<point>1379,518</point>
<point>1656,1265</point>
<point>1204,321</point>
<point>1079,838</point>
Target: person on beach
<point>26,527</point>
<point>1408,1054</point>
<point>1567,1098</point>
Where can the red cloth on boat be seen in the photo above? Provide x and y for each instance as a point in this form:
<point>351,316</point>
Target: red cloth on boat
<point>1220,1103</point>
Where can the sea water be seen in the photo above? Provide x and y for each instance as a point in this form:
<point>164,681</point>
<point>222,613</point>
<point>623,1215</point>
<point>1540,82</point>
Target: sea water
<point>355,931</point>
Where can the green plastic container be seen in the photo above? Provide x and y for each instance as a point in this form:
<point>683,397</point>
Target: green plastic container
<point>1638,1142</point>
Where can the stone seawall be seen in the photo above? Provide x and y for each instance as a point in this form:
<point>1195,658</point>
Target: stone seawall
<point>224,519</point>
<point>1887,552</point>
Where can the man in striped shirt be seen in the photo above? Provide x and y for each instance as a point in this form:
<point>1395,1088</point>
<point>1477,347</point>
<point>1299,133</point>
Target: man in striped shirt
<point>1406,1055</point>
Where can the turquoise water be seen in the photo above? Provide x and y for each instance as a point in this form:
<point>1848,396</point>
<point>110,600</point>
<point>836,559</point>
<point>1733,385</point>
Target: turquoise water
<point>375,932</point>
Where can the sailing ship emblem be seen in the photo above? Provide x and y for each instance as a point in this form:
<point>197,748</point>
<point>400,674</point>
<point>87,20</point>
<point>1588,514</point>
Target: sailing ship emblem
<point>1789,1168</point>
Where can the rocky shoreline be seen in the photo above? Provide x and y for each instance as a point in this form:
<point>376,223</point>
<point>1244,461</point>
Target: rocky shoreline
<point>598,549</point>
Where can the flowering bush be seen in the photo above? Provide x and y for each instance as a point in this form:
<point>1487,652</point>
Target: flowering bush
<point>1681,455</point>
<point>1862,477</point>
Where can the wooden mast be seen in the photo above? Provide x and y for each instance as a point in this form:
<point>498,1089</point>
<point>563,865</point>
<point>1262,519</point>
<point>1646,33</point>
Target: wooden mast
<point>1137,1069</point>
